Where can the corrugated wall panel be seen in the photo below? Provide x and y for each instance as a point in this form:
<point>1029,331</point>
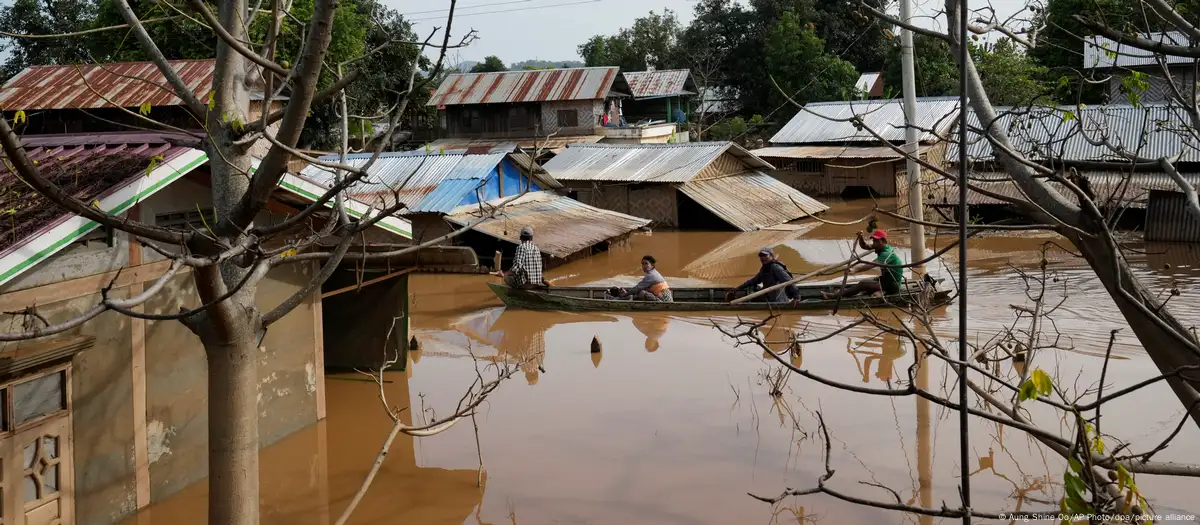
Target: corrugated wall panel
<point>1168,220</point>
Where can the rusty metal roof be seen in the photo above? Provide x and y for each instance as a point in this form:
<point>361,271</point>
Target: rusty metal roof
<point>662,83</point>
<point>644,162</point>
<point>1072,133</point>
<point>752,201</point>
<point>111,171</point>
<point>541,85</point>
<point>825,122</point>
<point>562,226</point>
<point>830,152</point>
<point>86,86</point>
<point>1110,188</point>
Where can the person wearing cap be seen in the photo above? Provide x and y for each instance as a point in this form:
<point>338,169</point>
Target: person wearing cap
<point>526,270</point>
<point>773,272</point>
<point>890,275</point>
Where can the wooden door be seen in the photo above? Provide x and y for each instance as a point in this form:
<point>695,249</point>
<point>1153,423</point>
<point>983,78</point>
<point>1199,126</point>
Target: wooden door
<point>37,487</point>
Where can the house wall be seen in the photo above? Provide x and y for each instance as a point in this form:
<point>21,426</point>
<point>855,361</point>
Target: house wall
<point>1168,220</point>
<point>657,202</point>
<point>587,113</point>
<point>935,155</point>
<point>492,120</point>
<point>1160,88</point>
<point>139,415</point>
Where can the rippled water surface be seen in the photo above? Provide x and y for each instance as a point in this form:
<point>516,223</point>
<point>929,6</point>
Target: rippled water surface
<point>673,423</point>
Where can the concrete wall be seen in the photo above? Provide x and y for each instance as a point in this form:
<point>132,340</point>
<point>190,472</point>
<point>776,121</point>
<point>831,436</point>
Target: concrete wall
<point>117,471</point>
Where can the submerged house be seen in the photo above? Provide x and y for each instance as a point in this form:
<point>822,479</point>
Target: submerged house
<point>702,185</point>
<point>446,192</point>
<point>114,410</point>
<point>1073,147</point>
<point>542,111</point>
<point>821,152</point>
<point>659,97</point>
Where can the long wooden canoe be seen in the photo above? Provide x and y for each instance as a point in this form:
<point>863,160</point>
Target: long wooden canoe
<point>591,299</point>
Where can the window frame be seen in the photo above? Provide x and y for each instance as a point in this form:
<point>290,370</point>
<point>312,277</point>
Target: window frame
<point>8,418</point>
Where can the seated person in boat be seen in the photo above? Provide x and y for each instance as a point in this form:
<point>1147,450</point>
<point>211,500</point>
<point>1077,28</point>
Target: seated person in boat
<point>773,272</point>
<point>890,276</point>
<point>526,270</point>
<point>652,287</point>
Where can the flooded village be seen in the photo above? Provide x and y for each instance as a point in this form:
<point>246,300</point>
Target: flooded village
<point>538,294</point>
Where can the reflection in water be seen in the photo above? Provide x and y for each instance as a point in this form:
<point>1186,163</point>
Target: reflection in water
<point>679,424</point>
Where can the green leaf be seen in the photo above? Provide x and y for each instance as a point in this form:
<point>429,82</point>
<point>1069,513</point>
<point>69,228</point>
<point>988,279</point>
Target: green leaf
<point>1028,391</point>
<point>1098,445</point>
<point>1042,381</point>
<point>1078,506</point>
<point>212,99</point>
<point>1068,116</point>
<point>1076,465</point>
<point>153,164</point>
<point>19,118</point>
<point>144,109</point>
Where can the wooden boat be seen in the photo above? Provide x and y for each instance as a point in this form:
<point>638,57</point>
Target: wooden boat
<point>591,299</point>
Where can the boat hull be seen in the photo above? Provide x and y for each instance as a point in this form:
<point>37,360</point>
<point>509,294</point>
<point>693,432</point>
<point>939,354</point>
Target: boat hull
<point>590,299</point>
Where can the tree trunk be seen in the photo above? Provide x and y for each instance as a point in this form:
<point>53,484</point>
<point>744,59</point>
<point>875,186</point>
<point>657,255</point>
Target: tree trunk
<point>1153,331</point>
<point>233,430</point>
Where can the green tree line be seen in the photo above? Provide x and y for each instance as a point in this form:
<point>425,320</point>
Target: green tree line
<point>816,51</point>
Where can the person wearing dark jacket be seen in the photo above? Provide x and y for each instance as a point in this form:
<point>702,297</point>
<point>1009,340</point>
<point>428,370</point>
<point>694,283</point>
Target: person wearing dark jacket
<point>773,272</point>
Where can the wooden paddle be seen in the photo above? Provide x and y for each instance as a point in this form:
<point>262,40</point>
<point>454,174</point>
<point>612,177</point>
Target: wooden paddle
<point>798,279</point>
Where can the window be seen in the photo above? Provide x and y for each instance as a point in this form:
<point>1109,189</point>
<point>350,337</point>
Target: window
<point>39,397</point>
<point>568,118</point>
<point>186,220</point>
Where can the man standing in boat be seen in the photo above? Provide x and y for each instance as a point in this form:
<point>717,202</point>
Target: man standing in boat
<point>526,270</point>
<point>890,275</point>
<point>773,272</point>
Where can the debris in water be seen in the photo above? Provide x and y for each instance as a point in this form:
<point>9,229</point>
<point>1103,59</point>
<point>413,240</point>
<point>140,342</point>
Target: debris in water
<point>413,344</point>
<point>595,343</point>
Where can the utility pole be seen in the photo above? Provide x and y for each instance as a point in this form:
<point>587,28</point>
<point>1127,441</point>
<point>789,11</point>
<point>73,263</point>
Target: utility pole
<point>916,207</point>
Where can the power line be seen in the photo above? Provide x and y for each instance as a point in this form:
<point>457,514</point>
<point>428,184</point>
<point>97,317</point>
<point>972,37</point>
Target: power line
<point>472,6</point>
<point>456,15</point>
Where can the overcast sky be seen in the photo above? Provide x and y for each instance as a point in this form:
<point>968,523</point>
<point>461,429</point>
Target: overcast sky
<point>516,30</point>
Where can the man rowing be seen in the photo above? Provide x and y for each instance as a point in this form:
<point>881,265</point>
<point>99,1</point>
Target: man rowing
<point>890,274</point>
<point>772,272</point>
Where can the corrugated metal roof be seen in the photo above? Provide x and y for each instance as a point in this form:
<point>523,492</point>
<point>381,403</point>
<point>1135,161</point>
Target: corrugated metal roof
<point>561,225</point>
<point>752,200</point>
<point>542,85</point>
<point>127,84</point>
<point>830,152</point>
<point>428,182</point>
<point>414,174</point>
<point>1168,219</point>
<point>1152,131</point>
<point>1103,52</point>
<point>643,162</point>
<point>1110,188</point>
<point>886,117</point>
<point>554,144</point>
<point>663,83</point>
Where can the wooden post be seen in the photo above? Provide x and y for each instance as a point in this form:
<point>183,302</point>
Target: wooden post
<point>137,328</point>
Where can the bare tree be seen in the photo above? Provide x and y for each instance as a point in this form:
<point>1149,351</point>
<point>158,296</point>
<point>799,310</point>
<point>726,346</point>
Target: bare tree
<point>1101,470</point>
<point>229,260</point>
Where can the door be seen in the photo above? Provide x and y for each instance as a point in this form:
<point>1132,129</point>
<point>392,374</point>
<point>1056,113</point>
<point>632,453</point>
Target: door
<point>35,452</point>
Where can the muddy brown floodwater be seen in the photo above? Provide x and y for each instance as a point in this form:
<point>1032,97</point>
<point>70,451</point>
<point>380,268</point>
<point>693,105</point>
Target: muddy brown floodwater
<point>673,424</point>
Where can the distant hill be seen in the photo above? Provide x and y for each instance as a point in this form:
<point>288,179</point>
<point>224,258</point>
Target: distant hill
<point>542,64</point>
